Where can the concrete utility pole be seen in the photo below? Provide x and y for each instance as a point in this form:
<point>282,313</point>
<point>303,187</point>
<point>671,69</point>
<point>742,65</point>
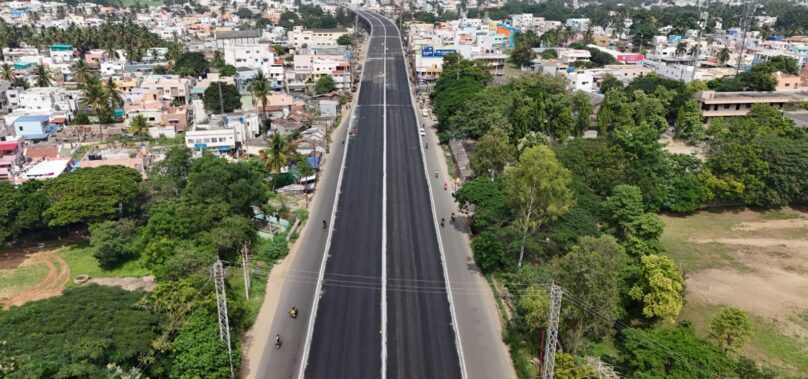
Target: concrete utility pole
<point>551,341</point>
<point>245,260</point>
<point>221,307</point>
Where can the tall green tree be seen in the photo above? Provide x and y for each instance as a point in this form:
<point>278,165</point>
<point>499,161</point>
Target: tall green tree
<point>91,195</point>
<point>42,76</point>
<point>592,272</point>
<point>112,242</point>
<point>537,188</point>
<point>7,73</point>
<point>222,98</point>
<point>582,109</point>
<point>491,154</point>
<point>259,88</point>
<point>191,64</point>
<point>660,288</point>
<point>688,122</point>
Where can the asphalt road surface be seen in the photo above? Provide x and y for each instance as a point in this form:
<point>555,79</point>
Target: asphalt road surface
<point>383,307</point>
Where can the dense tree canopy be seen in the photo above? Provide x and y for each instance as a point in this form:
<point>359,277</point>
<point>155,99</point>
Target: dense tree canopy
<point>228,101</point>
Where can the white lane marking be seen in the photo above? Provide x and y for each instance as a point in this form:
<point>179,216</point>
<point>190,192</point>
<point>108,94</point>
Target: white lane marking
<point>455,326</point>
<point>304,361</point>
<point>384,211</point>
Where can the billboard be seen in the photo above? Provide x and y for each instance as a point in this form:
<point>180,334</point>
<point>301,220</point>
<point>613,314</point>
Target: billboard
<point>431,52</point>
<point>629,58</point>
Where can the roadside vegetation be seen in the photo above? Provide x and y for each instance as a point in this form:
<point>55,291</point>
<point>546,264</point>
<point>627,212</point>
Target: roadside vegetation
<point>188,214</point>
<point>552,208</point>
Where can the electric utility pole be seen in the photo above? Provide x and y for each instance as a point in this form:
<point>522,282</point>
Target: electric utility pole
<point>245,263</point>
<point>221,307</point>
<point>551,341</point>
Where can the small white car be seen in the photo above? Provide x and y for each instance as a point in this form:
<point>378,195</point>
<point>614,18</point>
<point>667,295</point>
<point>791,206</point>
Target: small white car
<point>422,131</point>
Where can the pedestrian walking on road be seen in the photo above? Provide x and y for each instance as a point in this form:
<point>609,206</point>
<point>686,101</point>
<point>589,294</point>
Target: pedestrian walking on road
<point>445,186</point>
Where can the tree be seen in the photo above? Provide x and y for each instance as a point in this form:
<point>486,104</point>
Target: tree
<point>173,170</point>
<point>81,119</point>
<point>479,114</point>
<point>610,83</point>
<point>229,100</point>
<point>325,84</point>
<point>91,195</point>
<point>491,154</point>
<point>659,288</point>
<point>198,351</point>
<point>591,273</point>
<point>490,252</point>
<point>537,189</point>
<point>81,72</point>
<point>723,55</point>
<point>21,208</point>
<point>259,88</point>
<point>688,122</point>
<point>277,154</point>
<point>345,40</point>
<point>218,60</point>
<point>670,353</point>
<point>240,185</point>
<point>615,112</point>
<point>622,208</point>
<point>568,366</point>
<point>112,242</point>
<point>95,325</point>
<point>7,73</point>
<point>533,307</point>
<point>191,64</point>
<point>730,329</point>
<point>244,13</point>
<point>95,97</point>
<point>42,76</point>
<point>138,126</point>
<point>582,109</point>
<point>549,54</point>
<point>227,70</point>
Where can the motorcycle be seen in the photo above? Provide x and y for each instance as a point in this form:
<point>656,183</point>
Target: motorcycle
<point>278,342</point>
<point>293,312</point>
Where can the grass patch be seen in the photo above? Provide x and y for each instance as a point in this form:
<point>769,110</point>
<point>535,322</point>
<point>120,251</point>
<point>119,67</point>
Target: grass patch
<point>603,348</point>
<point>80,259</point>
<point>258,286</point>
<point>16,279</point>
<point>769,345</point>
<point>780,214</point>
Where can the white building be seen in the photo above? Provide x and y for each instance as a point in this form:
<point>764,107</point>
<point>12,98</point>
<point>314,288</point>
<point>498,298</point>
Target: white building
<point>110,68</point>
<point>252,56</point>
<point>299,37</point>
<point>47,99</point>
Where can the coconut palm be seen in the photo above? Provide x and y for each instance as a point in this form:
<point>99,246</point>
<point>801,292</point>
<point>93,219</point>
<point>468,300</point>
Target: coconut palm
<point>278,154</point>
<point>42,76</point>
<point>94,96</point>
<point>7,73</point>
<point>81,71</point>
<point>259,87</point>
<point>723,55</point>
<point>113,94</point>
<point>138,125</point>
<point>681,48</point>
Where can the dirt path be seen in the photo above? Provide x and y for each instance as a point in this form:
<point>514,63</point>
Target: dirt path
<point>52,285</point>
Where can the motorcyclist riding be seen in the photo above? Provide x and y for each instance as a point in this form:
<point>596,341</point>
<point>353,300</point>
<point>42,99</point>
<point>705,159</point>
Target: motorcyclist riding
<point>293,312</point>
<point>441,222</point>
<point>277,341</point>
<point>324,224</point>
<point>453,216</point>
<point>436,173</point>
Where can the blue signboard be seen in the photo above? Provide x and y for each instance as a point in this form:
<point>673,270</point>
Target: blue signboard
<point>200,146</point>
<point>431,52</point>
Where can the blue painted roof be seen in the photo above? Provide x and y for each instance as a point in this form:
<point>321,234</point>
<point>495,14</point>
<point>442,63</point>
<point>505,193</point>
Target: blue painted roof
<point>32,118</point>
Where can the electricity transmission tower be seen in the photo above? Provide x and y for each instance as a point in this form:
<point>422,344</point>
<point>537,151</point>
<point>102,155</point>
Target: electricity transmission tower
<point>245,260</point>
<point>221,307</point>
<point>746,25</point>
<point>548,366</point>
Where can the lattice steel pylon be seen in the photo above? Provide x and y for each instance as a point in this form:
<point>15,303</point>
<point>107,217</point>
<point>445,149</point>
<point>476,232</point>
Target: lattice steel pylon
<point>221,307</point>
<point>551,338</point>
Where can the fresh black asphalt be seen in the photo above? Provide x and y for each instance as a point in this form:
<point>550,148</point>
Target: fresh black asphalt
<point>347,331</point>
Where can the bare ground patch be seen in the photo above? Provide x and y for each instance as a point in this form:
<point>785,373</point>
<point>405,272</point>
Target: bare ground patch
<point>52,285</point>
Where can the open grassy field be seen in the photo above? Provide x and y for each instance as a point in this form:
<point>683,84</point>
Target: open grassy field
<point>34,274</point>
<point>756,261</point>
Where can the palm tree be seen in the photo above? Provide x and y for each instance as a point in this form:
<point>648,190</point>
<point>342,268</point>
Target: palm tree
<point>94,95</point>
<point>112,93</point>
<point>259,87</point>
<point>81,71</point>
<point>138,125</point>
<point>277,155</point>
<point>7,73</point>
<point>723,55</point>
<point>42,76</point>
<point>681,48</point>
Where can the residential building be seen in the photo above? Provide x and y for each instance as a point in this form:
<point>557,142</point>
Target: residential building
<point>62,53</point>
<point>734,104</point>
<point>170,87</point>
<point>300,38</point>
<point>236,37</point>
<point>255,56</point>
<point>46,169</point>
<point>33,127</point>
<point>786,82</point>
